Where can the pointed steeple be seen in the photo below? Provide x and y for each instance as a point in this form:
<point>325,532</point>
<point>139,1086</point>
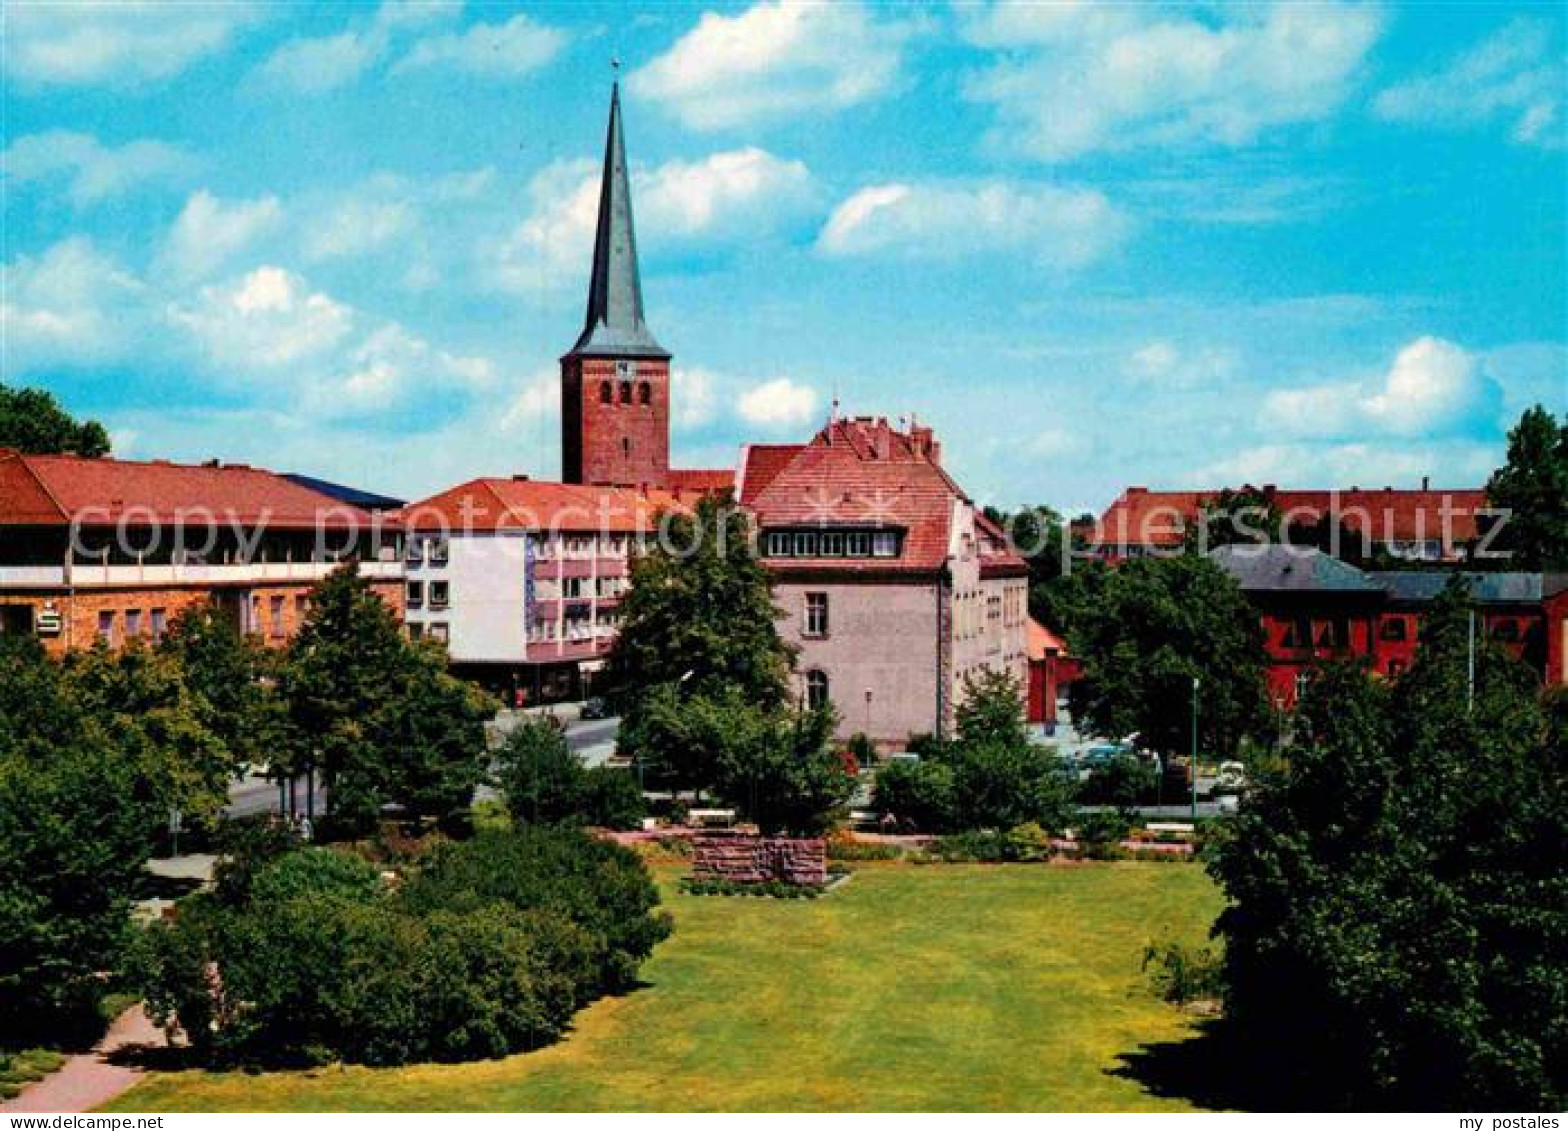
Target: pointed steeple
<point>614,325</point>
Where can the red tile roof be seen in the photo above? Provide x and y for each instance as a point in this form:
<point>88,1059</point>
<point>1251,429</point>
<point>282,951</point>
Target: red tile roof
<point>759,465</point>
<point>1157,518</point>
<point>531,504</point>
<point>864,473</point>
<point>57,490</point>
<point>1043,641</point>
<point>701,481</point>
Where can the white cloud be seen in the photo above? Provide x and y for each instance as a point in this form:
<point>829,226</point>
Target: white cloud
<point>517,47</point>
<point>537,401</point>
<point>91,171</point>
<point>1071,79</point>
<point>778,404</point>
<point>1162,363</point>
<point>1446,462</point>
<point>694,396</point>
<point>747,190</point>
<point>356,225</point>
<point>1061,226</point>
<point>775,59</point>
<point>317,65</point>
<point>1433,388</point>
<point>71,305</point>
<point>1517,74</point>
<point>122,43</point>
<point>267,319</point>
<point>209,231</point>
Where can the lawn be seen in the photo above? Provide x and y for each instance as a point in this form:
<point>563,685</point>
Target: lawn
<point>1012,987</point>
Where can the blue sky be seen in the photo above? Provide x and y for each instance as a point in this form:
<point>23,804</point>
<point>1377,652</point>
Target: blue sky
<point>1093,245</point>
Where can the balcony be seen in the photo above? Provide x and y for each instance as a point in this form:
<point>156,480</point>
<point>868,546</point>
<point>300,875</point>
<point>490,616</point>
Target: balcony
<point>25,576</point>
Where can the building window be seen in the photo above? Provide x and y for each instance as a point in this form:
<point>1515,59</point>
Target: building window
<point>832,545</point>
<point>778,545</point>
<point>857,545</point>
<point>440,595</point>
<point>301,608</point>
<point>626,392</point>
<point>1394,629</point>
<point>644,393</point>
<point>275,612</point>
<point>414,551</point>
<point>106,626</point>
<point>160,623</point>
<point>816,689</point>
<point>416,631</point>
<point>816,614</point>
<point>605,395</point>
<point>884,544</point>
<point>805,545</point>
<point>416,594</point>
<point>133,623</point>
<point>437,551</point>
<point>438,631</point>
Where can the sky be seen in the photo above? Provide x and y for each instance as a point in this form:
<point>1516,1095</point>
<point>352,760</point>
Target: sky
<point>1093,245</point>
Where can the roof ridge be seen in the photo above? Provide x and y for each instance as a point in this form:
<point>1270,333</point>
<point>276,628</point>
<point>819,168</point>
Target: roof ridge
<point>22,458</point>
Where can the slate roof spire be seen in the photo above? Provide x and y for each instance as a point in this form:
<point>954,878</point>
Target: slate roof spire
<point>614,326</point>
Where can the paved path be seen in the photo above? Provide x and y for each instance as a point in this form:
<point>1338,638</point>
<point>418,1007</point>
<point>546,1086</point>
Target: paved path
<point>88,1079</point>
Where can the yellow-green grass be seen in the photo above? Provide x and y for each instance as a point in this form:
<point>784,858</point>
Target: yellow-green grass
<point>967,987</point>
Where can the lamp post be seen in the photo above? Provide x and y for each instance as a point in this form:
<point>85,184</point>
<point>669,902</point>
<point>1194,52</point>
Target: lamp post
<point>1194,749</point>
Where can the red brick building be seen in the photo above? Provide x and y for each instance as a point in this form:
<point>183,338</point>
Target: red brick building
<point>115,549</point>
<point>1051,669</point>
<point>1426,524</point>
<point>1314,608</point>
<point>615,381</point>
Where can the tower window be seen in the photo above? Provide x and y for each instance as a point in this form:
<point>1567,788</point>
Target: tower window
<point>626,446</point>
<point>644,393</point>
<point>816,689</point>
<point>626,392</point>
<point>604,392</point>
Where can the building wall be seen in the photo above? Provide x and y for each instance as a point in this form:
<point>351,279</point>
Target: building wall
<point>615,443</point>
<point>485,618</point>
<point>253,608</point>
<point>882,636</point>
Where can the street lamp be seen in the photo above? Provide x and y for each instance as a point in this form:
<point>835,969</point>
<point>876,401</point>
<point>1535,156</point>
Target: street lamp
<point>1194,749</point>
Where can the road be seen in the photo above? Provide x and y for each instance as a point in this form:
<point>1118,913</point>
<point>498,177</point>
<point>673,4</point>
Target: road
<point>593,739</point>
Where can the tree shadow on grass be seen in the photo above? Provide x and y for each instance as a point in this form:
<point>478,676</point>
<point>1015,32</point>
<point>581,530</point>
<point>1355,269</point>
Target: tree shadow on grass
<point>1216,1069</point>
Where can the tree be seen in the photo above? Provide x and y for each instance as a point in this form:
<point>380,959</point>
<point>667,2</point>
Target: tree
<point>1244,516</point>
<point>157,720</point>
<point>32,421</point>
<point>780,770</point>
<point>1532,486</point>
<point>545,783</point>
<point>75,832</point>
<point>234,676</point>
<point>1155,624</point>
<point>989,777</point>
<point>378,714</point>
<point>699,616</point>
<point>1398,906</point>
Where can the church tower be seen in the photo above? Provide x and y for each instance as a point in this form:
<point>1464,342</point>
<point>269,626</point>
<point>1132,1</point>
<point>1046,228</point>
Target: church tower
<point>615,382</point>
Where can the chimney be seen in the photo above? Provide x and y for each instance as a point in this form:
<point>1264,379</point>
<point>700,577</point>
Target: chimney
<point>214,462</point>
<point>1426,483</point>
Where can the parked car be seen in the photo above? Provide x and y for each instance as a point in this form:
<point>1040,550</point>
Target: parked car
<point>595,708</point>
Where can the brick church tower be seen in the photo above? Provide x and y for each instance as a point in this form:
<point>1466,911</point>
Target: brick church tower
<point>615,382</point>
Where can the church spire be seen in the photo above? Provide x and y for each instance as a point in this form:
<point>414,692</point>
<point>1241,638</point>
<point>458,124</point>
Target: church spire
<point>614,325</point>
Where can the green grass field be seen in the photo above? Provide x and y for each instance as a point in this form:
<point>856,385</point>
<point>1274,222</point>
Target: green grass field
<point>1009,987</point>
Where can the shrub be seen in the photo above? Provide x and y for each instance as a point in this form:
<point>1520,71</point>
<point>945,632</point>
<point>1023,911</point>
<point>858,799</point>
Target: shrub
<point>1101,832</point>
<point>612,799</point>
<point>843,846</point>
<point>919,793</point>
<point>1182,974</point>
<point>487,949</point>
<point>539,775</point>
<point>1124,781</point>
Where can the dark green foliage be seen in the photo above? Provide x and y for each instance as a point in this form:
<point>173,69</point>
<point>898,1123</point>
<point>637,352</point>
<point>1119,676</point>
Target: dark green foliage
<point>1182,974</point>
<point>780,770</point>
<point>1152,625</point>
<point>489,948</point>
<point>1125,781</point>
<point>230,674</point>
<point>1399,916</point>
<point>990,777</point>
<point>544,782</point>
<point>1101,832</point>
<point>773,889</point>
<point>378,715</point>
<point>862,749</point>
<point>700,617</point>
<point>1234,517</point>
<point>32,421</point>
<point>1027,843</point>
<point>601,887</point>
<point>1533,487</point>
<point>75,831</point>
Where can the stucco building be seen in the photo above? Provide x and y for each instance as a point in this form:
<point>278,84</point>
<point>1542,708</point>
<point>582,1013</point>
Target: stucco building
<point>894,586</point>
